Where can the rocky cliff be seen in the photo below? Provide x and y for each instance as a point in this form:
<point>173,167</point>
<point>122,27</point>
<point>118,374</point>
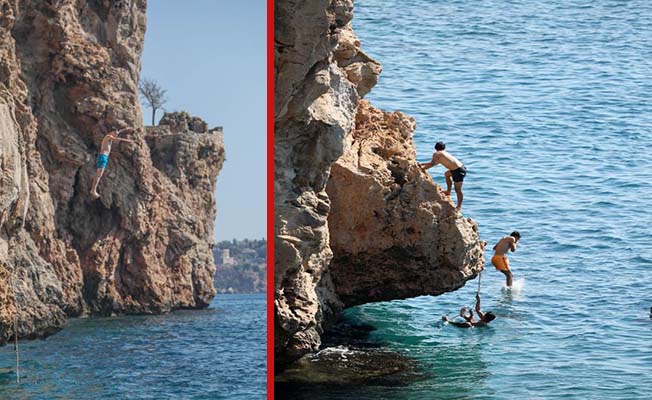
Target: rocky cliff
<point>355,219</point>
<point>68,74</point>
<point>393,232</point>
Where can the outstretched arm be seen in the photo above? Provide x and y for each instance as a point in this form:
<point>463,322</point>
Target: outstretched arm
<point>119,139</point>
<point>427,165</point>
<point>477,307</point>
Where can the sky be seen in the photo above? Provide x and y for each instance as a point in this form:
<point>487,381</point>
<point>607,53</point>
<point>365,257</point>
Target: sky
<point>210,56</point>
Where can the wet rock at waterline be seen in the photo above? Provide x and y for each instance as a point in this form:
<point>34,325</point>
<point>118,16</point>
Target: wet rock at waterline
<point>344,366</point>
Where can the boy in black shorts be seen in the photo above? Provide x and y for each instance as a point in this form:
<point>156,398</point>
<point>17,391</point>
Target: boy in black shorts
<point>456,171</point>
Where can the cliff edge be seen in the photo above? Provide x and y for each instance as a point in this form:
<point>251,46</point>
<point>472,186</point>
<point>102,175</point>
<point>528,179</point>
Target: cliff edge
<point>356,220</point>
<point>68,74</point>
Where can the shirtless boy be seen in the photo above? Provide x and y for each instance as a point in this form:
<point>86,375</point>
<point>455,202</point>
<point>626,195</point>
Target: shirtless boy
<point>456,171</point>
<point>499,260</point>
<point>103,156</point>
<point>485,318</point>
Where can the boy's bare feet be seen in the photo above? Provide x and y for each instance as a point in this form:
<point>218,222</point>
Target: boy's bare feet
<point>94,195</point>
<point>447,192</point>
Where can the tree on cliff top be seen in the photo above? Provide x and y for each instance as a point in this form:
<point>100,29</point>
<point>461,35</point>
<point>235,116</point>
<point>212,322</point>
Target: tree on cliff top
<point>153,94</point>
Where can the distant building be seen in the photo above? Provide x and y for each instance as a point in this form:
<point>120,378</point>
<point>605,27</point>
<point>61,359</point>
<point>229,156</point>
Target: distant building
<point>240,266</point>
<point>225,258</point>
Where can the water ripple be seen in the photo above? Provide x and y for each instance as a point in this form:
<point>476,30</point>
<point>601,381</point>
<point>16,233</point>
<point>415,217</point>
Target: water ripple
<point>218,353</point>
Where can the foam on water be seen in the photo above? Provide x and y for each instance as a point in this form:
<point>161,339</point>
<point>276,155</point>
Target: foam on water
<point>516,288</point>
<point>342,351</point>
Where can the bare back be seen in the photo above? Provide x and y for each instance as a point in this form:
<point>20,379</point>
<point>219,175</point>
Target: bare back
<point>504,245</point>
<point>446,159</point>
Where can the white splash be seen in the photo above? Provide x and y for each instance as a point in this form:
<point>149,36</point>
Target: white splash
<point>517,286</point>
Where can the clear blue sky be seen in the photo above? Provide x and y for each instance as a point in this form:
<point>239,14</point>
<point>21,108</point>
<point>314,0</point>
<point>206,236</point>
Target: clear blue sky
<point>211,57</point>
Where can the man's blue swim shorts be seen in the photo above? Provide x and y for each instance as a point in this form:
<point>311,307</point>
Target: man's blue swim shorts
<point>102,160</point>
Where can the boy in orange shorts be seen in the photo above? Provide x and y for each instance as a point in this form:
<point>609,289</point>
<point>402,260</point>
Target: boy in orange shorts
<point>499,260</point>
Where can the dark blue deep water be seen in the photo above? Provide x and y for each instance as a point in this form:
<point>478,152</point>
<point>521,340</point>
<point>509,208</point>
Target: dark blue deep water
<point>549,105</point>
<point>217,353</point>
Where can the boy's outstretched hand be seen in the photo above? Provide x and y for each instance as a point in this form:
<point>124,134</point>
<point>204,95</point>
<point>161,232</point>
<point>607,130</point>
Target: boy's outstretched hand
<point>128,129</point>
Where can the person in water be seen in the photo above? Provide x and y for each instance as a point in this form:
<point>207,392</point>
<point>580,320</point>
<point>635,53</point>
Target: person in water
<point>103,156</point>
<point>499,260</point>
<point>485,318</point>
<point>455,170</point>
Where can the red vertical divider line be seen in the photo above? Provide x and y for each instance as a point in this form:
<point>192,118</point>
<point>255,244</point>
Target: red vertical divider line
<point>270,199</point>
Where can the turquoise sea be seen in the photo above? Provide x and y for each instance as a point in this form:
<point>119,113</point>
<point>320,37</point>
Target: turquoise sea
<point>217,353</point>
<point>549,105</point>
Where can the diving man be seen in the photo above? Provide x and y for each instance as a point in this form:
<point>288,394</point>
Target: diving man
<point>103,156</point>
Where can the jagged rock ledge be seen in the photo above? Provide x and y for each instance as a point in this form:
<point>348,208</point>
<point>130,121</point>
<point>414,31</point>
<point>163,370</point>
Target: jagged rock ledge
<point>393,232</point>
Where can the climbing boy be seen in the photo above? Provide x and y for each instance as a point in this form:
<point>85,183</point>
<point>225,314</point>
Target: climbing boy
<point>485,318</point>
<point>499,260</point>
<point>456,171</point>
<point>103,156</point>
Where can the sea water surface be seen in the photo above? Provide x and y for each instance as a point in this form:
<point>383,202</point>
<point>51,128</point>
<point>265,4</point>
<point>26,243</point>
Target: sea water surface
<point>217,353</point>
<point>549,105</point>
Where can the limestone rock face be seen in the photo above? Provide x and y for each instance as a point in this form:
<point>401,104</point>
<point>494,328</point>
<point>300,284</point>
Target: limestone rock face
<point>68,74</point>
<point>320,76</point>
<point>182,122</point>
<point>393,232</point>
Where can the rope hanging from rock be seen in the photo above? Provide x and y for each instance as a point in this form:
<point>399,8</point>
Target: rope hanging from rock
<point>479,280</point>
<point>13,292</point>
<point>478,292</point>
<point>16,349</point>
